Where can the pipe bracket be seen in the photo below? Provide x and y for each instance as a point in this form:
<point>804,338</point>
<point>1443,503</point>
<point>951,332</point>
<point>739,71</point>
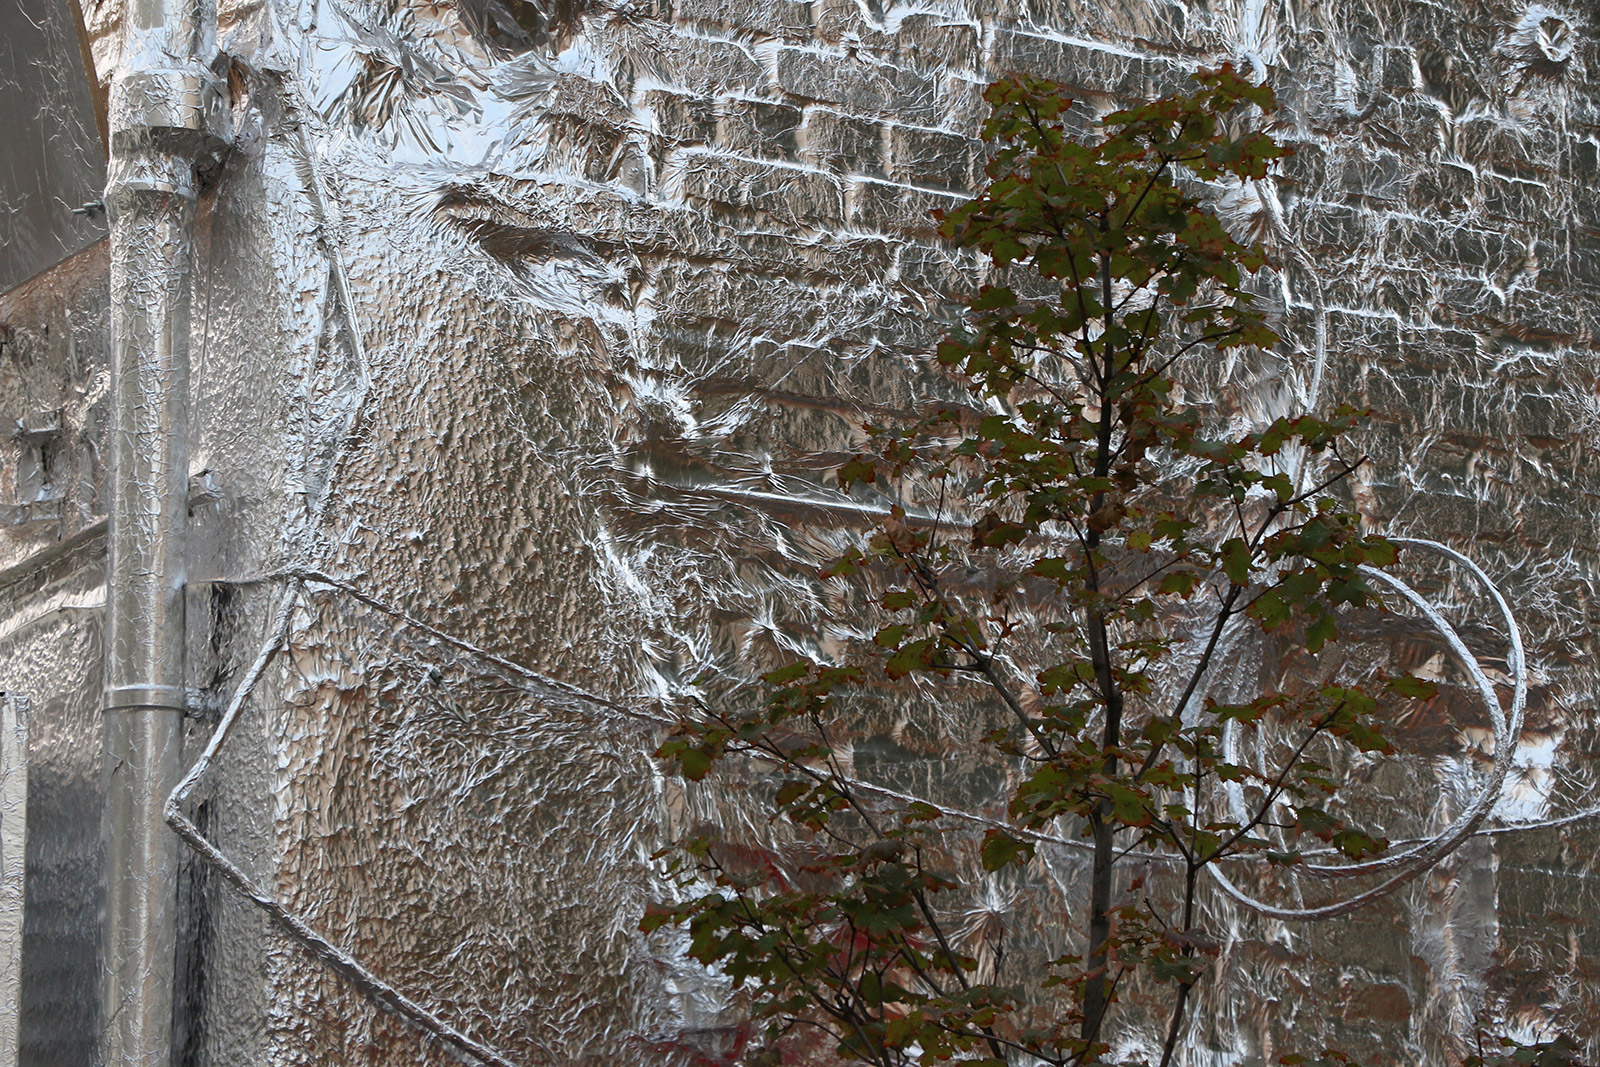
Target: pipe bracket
<point>145,697</point>
<point>176,111</point>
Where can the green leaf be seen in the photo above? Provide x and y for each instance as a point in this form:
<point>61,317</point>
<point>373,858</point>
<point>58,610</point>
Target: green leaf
<point>1234,559</point>
<point>991,531</point>
<point>901,1031</point>
<point>912,656</point>
<point>1321,632</point>
<point>1408,685</point>
<point>1000,848</point>
<point>1176,969</point>
<point>860,469</point>
<point>1270,610</point>
<point>790,792</point>
<point>891,636</point>
<point>1128,805</point>
<point>695,763</point>
<point>1274,436</point>
<point>1365,736</point>
<point>1317,822</point>
<point>1180,582</point>
<point>784,675</point>
<point>1357,845</point>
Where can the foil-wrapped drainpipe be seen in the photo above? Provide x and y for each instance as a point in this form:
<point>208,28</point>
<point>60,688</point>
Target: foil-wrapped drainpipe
<point>162,101</point>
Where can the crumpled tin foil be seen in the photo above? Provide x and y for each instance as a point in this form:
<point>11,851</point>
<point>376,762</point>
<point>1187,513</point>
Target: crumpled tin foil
<point>525,337</point>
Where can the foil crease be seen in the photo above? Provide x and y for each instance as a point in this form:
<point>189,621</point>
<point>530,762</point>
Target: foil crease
<point>532,329</point>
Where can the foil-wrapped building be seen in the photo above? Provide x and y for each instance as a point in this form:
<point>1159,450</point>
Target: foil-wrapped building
<point>440,390</point>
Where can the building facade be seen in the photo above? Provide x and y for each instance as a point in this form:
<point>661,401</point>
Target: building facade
<point>520,338</point>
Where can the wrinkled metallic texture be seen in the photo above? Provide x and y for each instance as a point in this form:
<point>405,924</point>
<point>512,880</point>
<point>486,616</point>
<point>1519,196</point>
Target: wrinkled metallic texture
<point>159,119</point>
<point>53,379</point>
<point>521,334</point>
<point>145,696</point>
<point>54,160</point>
<point>13,863</point>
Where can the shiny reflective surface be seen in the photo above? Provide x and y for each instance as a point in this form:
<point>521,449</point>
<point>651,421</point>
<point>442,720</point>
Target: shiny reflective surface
<point>53,378</point>
<point>13,863</point>
<point>538,332</point>
<point>54,163</point>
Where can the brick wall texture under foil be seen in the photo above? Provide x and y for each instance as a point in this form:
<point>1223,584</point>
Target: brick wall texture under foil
<point>537,328</point>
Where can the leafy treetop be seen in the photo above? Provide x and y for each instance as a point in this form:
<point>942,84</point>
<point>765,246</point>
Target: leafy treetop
<point>1101,500</point>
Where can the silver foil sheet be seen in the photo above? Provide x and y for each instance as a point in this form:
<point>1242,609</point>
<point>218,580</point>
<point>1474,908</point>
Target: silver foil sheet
<point>533,332</point>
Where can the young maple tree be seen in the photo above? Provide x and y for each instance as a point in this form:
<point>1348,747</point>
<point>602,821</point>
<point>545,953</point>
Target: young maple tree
<point>1124,532</point>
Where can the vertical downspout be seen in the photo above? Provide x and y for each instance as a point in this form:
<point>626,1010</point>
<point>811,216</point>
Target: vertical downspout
<point>161,94</point>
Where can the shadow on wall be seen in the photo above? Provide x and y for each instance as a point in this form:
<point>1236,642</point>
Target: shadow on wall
<point>516,26</point>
